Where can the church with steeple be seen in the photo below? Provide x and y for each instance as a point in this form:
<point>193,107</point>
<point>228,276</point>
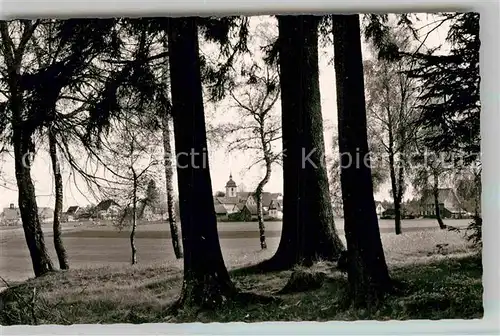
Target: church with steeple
<point>235,201</point>
<point>231,187</point>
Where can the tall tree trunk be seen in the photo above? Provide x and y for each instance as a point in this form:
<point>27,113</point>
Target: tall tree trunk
<point>206,280</point>
<point>58,183</point>
<point>477,195</point>
<point>401,187</point>
<point>169,175</point>
<point>367,270</point>
<point>392,170</point>
<point>308,232</point>
<point>23,146</point>
<point>395,193</point>
<point>134,221</point>
<point>435,193</point>
<point>260,210</point>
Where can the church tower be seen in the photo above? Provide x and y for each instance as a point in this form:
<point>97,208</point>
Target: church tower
<point>231,187</point>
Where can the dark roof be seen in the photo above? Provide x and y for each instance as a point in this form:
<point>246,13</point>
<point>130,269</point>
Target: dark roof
<point>252,209</point>
<point>105,205</point>
<point>268,197</point>
<point>243,194</point>
<point>220,209</point>
<point>230,183</point>
<point>228,200</point>
<point>72,209</point>
<point>444,194</point>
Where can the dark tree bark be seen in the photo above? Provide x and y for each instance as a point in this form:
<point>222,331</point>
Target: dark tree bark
<point>477,194</point>
<point>169,175</point>
<point>23,146</point>
<point>435,194</point>
<point>206,280</point>
<point>400,182</point>
<point>308,232</point>
<point>58,183</point>
<point>392,169</point>
<point>367,270</point>
<point>395,194</point>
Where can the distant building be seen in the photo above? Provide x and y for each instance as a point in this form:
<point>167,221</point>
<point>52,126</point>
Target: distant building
<point>144,212</point>
<point>249,212</point>
<point>449,204</point>
<point>245,203</point>
<point>108,209</point>
<point>71,214</point>
<point>379,208</point>
<point>276,209</point>
<point>220,210</point>
<point>11,216</point>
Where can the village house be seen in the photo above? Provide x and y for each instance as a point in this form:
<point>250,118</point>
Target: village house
<point>71,214</point>
<point>144,212</point>
<point>276,209</point>
<point>249,212</point>
<point>244,203</point>
<point>220,210</point>
<point>11,216</point>
<point>108,209</point>
<point>379,208</point>
<point>449,204</point>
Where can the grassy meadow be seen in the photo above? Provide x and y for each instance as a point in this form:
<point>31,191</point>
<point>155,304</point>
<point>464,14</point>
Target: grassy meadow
<point>439,277</point>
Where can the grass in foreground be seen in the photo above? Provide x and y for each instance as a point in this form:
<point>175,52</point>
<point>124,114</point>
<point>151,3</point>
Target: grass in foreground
<point>444,289</point>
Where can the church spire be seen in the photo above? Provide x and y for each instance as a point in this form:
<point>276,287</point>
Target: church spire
<point>231,187</point>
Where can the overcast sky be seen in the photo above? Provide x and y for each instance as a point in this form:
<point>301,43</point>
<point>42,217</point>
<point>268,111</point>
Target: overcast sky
<point>221,163</point>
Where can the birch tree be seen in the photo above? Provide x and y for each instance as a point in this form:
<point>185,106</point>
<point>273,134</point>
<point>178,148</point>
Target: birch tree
<point>259,128</point>
<point>392,116</point>
<point>134,157</point>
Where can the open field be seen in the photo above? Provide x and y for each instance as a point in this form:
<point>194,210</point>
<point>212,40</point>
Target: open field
<point>106,246</point>
<point>441,278</point>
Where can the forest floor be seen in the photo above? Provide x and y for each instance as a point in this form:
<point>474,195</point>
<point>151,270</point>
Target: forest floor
<point>440,282</point>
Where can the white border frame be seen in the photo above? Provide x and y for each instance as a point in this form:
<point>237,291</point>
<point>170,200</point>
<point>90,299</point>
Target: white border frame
<point>490,121</point>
